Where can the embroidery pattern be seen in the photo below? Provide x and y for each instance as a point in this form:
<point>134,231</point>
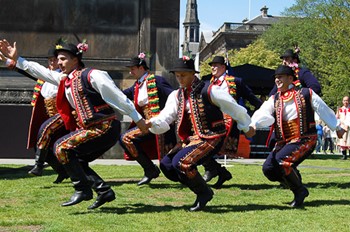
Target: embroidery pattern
<point>152,92</point>
<point>79,137</point>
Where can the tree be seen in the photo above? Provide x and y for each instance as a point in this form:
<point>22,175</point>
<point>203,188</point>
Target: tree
<point>321,28</point>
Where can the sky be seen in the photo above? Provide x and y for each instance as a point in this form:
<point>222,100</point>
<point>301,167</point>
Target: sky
<point>213,13</point>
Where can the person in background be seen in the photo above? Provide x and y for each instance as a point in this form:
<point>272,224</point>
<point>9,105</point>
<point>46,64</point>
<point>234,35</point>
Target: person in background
<point>48,92</point>
<point>149,94</point>
<point>343,114</point>
<point>304,77</point>
<point>44,107</point>
<point>319,130</point>
<point>235,86</point>
<point>328,140</point>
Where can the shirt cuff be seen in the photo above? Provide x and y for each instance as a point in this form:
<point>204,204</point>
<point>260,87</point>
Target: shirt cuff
<point>158,126</point>
<point>135,116</point>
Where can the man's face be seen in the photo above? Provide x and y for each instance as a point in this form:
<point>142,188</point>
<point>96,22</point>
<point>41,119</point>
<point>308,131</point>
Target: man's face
<point>346,101</point>
<point>185,79</point>
<point>217,69</point>
<point>283,81</point>
<point>287,61</point>
<point>66,62</point>
<point>52,62</point>
<point>137,71</point>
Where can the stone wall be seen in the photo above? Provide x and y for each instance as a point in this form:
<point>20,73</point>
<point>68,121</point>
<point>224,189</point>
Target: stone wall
<point>115,32</point>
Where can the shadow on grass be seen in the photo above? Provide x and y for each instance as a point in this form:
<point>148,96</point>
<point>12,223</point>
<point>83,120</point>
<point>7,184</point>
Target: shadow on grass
<point>328,185</point>
<point>318,203</point>
<point>11,173</point>
<point>215,209</point>
<point>152,185</point>
<point>248,186</point>
<point>145,208</point>
<point>267,186</point>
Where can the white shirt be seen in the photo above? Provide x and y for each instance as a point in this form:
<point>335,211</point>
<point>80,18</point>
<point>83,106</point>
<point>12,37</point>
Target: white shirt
<point>263,117</point>
<point>223,100</point>
<point>100,81</point>
<point>48,90</point>
<point>142,98</point>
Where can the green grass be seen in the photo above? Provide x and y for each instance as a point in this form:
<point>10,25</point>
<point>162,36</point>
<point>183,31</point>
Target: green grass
<point>248,202</point>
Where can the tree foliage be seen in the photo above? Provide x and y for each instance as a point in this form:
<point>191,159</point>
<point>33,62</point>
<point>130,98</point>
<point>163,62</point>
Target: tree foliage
<point>255,53</point>
<point>321,28</point>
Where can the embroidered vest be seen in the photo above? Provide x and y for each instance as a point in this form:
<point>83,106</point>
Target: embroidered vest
<point>304,125</point>
<point>207,119</point>
<point>90,107</point>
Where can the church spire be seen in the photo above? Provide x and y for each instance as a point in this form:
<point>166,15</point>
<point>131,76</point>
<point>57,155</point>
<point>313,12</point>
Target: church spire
<point>191,29</point>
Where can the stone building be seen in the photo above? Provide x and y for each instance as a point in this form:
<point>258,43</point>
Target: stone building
<point>235,35</point>
<point>114,30</point>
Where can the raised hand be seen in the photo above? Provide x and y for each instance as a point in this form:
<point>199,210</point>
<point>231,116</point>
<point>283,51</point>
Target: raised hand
<point>8,50</point>
<point>2,57</point>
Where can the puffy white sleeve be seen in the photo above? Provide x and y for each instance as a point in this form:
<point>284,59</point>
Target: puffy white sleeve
<point>228,105</point>
<point>37,70</point>
<point>160,123</point>
<point>325,113</point>
<point>112,95</point>
<point>263,117</point>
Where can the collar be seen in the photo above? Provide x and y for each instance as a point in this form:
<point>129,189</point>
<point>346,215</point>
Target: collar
<point>143,78</point>
<point>290,87</point>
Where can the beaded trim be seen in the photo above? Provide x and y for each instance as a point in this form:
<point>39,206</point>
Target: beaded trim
<point>36,92</point>
<point>296,73</point>
<point>152,91</point>
<point>231,86</point>
<point>230,80</point>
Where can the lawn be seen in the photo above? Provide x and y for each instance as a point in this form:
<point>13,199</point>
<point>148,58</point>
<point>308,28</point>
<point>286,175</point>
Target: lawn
<point>248,202</point>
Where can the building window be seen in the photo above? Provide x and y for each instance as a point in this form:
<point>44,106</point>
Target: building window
<point>192,35</point>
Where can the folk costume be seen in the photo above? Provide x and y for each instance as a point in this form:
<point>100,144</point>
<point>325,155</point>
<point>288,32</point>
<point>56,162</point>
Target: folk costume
<point>304,78</point>
<point>343,114</point>
<point>200,125</point>
<point>44,107</point>
<point>149,94</point>
<point>86,101</point>
<point>292,113</point>
<point>237,89</point>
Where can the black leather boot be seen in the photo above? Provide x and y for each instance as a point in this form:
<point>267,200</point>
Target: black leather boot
<point>57,167</point>
<point>202,190</point>
<point>80,182</point>
<point>299,190</point>
<point>150,169</point>
<point>104,192</point>
<point>211,168</point>
<point>40,156</point>
<point>344,155</point>
<point>224,175</point>
<point>103,196</point>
